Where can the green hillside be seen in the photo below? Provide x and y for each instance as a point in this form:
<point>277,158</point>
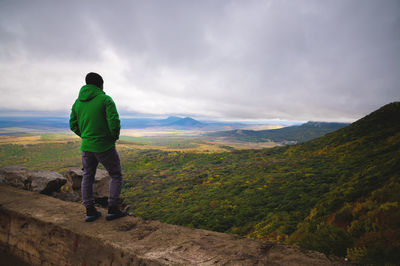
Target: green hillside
<point>338,194</point>
<point>302,133</point>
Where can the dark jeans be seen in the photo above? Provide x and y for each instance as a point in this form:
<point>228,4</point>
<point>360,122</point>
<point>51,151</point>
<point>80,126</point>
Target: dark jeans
<point>110,160</point>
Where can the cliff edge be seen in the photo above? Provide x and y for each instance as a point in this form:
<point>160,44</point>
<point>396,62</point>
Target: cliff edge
<point>43,230</point>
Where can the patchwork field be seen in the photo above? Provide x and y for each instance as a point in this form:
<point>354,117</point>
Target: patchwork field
<point>36,138</point>
<point>185,141</point>
<point>60,151</point>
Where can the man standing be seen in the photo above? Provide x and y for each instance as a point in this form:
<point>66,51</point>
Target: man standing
<point>95,119</point>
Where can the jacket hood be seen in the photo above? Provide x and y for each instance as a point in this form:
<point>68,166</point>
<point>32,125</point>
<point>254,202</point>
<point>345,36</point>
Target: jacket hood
<point>88,92</point>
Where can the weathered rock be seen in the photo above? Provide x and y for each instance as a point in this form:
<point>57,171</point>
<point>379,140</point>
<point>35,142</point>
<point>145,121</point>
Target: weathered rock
<point>42,181</point>
<point>67,193</point>
<point>15,176</point>
<point>74,177</point>
<point>74,196</point>
<point>100,186</point>
<point>46,231</point>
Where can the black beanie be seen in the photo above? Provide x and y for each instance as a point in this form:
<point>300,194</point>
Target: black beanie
<point>94,79</point>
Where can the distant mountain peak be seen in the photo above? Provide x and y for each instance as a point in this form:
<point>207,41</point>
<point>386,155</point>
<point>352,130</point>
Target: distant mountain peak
<point>173,117</point>
<point>189,119</point>
<point>187,122</point>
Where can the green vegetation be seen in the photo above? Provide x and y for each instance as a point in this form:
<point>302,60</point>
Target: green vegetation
<point>167,142</point>
<point>338,194</point>
<point>57,137</point>
<point>48,156</point>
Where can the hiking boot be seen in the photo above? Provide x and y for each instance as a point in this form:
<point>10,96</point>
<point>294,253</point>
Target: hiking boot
<point>114,213</point>
<point>91,214</point>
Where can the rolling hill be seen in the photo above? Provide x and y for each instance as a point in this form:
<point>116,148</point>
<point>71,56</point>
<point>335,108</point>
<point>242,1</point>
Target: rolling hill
<point>291,134</point>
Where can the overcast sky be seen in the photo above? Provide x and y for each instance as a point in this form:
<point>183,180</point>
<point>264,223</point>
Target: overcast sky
<point>297,60</point>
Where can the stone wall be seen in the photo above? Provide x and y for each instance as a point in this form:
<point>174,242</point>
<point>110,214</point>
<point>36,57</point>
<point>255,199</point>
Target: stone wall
<point>43,230</point>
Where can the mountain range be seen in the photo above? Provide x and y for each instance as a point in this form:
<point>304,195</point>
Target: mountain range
<point>170,122</point>
<point>62,123</point>
<point>237,132</point>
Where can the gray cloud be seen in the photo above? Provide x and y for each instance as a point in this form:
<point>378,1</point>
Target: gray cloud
<point>300,60</point>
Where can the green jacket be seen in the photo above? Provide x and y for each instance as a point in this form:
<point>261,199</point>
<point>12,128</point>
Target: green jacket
<point>95,119</point>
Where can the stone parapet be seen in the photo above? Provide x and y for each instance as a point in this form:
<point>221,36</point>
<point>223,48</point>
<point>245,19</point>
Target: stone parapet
<point>42,230</point>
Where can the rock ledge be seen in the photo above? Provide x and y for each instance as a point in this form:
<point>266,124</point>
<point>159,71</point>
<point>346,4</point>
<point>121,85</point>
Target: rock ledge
<point>46,231</point>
